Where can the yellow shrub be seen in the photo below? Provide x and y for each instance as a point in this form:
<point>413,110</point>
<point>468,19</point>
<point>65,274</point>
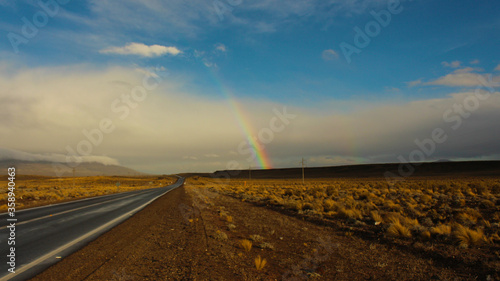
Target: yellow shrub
<point>246,244</point>
<point>350,213</point>
<point>260,263</point>
<point>376,216</point>
<point>441,229</point>
<point>398,230</point>
<point>466,237</point>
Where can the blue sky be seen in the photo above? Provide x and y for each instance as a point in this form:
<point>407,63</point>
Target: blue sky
<point>269,54</point>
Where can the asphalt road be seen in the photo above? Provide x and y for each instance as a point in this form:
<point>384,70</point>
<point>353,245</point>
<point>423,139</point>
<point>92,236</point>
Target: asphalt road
<point>45,235</point>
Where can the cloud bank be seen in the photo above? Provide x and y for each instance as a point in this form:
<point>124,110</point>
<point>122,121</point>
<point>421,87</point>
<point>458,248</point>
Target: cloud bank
<point>165,129</point>
<point>142,50</point>
<point>11,154</point>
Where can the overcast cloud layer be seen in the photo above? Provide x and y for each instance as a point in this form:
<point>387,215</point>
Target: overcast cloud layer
<point>174,131</point>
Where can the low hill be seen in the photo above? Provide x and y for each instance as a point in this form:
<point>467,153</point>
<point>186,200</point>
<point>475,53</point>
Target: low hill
<point>429,169</point>
<point>58,169</point>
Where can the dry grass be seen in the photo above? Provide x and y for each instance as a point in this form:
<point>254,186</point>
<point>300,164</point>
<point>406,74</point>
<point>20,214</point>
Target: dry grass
<point>246,244</point>
<point>376,217</point>
<point>260,263</point>
<point>256,238</point>
<point>441,229</point>
<point>421,208</point>
<point>466,237</point>
<point>396,229</point>
<point>220,235</point>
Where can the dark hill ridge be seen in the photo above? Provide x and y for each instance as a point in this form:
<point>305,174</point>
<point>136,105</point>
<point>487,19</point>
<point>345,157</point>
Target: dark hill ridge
<point>428,169</point>
<point>82,170</point>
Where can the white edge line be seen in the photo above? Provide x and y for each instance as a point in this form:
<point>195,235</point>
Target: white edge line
<point>76,209</point>
<point>78,200</point>
<point>79,239</point>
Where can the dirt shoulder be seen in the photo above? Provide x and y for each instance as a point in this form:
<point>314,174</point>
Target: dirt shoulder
<point>193,234</point>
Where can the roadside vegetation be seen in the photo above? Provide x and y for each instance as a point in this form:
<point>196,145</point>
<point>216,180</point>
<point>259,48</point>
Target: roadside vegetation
<point>36,190</point>
<point>461,212</point>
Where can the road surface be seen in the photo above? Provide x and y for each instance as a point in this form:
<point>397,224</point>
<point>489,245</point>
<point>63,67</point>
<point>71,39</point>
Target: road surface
<point>45,235</point>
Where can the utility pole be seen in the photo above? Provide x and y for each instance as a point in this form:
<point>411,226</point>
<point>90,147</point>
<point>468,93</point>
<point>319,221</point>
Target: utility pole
<point>303,165</point>
<point>73,177</point>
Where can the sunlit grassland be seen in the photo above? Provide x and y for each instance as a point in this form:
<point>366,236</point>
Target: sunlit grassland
<point>463,212</point>
<point>35,191</point>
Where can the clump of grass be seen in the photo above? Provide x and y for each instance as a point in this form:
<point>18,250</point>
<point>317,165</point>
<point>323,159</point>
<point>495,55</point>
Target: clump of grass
<point>376,217</point>
<point>229,219</point>
<point>398,230</point>
<point>425,199</point>
<point>231,226</point>
<point>467,219</point>
<point>466,237</point>
<point>256,238</point>
<point>246,244</point>
<point>219,235</point>
<point>487,204</point>
<point>294,205</point>
<point>266,245</point>
<point>307,206</point>
<point>442,229</point>
<point>425,235</point>
<point>260,263</point>
<point>329,205</point>
<point>350,213</point>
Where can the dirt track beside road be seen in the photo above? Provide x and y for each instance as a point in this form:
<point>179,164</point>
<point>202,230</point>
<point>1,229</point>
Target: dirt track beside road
<point>186,235</point>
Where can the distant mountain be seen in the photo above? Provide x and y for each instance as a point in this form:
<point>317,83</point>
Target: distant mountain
<point>58,169</point>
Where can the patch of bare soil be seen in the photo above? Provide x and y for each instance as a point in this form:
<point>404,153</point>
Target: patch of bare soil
<point>194,234</point>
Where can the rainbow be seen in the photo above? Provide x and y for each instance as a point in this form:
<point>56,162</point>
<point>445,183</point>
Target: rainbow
<point>262,158</point>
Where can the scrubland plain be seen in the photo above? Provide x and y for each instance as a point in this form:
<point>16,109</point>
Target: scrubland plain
<point>325,229</point>
<point>461,212</point>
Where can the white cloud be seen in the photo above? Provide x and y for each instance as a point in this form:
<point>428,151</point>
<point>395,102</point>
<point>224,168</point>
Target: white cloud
<point>47,109</point>
<point>476,61</point>
<point>468,69</point>
<point>497,68</point>
<point>414,83</point>
<point>9,154</point>
<point>329,55</point>
<point>208,63</point>
<point>464,77</point>
<point>453,64</point>
<point>143,50</point>
<point>190,18</point>
<point>457,79</point>
<point>221,47</point>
